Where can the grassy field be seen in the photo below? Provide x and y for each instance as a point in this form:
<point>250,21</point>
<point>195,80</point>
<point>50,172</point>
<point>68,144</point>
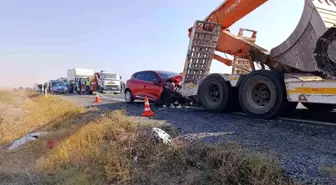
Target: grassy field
<point>94,147</point>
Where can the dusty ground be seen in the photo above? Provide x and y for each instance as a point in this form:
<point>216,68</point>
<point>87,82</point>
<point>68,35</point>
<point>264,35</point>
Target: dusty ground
<point>304,149</point>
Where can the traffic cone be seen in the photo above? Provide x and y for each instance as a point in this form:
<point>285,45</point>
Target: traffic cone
<point>97,100</point>
<point>147,112</point>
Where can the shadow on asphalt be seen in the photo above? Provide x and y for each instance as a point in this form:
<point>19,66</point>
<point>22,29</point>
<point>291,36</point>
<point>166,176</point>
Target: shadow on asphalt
<point>136,108</point>
<point>305,114</point>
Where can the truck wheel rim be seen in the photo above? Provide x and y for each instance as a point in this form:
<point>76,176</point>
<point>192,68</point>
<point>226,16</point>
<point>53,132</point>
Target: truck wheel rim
<point>214,93</point>
<point>259,95</point>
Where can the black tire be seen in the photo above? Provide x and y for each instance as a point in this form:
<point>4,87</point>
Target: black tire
<point>215,93</point>
<point>267,83</point>
<point>319,107</point>
<point>129,93</point>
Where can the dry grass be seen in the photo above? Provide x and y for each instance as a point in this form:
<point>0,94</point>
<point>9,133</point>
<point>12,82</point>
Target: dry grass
<point>94,148</point>
<point>328,170</point>
<point>6,96</point>
<point>23,112</point>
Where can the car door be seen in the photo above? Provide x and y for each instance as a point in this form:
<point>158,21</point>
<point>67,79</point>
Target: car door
<point>152,90</point>
<point>138,84</point>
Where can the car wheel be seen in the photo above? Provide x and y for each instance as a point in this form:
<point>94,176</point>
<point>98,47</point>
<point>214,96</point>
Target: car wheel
<point>128,96</point>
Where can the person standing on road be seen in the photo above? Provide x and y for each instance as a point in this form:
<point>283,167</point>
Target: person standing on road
<point>79,89</point>
<point>45,87</point>
<point>40,87</point>
<point>87,85</point>
<point>123,87</point>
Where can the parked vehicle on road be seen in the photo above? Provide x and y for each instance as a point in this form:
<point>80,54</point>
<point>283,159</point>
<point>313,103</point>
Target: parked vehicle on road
<point>57,87</point>
<point>157,85</point>
<point>106,81</point>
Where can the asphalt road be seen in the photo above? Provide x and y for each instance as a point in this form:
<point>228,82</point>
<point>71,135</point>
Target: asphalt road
<point>302,147</point>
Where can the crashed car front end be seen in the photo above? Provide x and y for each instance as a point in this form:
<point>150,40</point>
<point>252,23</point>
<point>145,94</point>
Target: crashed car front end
<point>172,93</point>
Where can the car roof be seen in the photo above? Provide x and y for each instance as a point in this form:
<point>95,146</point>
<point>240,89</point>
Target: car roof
<point>157,71</point>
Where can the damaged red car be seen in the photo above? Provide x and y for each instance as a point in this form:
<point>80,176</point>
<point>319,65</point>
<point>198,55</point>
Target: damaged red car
<point>158,86</point>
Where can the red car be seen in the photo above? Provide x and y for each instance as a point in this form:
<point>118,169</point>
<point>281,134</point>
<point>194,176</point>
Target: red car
<point>151,84</point>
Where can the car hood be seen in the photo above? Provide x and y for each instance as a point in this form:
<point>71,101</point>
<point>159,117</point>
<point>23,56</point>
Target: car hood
<point>176,79</point>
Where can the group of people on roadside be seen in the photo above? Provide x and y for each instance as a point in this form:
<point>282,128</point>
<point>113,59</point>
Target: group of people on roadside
<point>85,85</point>
<point>43,88</point>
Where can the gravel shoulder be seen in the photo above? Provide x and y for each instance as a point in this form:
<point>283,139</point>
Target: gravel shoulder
<point>302,148</point>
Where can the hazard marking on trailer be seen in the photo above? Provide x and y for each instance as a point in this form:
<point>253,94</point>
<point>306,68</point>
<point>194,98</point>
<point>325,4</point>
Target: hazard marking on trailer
<point>309,90</point>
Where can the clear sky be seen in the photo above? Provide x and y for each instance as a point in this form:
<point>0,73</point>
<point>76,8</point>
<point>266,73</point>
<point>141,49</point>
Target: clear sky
<point>40,40</point>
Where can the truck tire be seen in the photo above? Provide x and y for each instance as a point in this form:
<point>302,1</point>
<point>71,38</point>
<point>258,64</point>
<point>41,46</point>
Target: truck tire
<point>319,107</point>
<point>262,94</point>
<point>215,93</point>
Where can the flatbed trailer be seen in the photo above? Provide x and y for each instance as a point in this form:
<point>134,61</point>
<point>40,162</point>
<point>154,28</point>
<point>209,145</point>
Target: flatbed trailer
<point>288,74</point>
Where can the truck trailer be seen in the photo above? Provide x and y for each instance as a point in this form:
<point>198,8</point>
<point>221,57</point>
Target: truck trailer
<point>301,69</point>
<point>78,73</point>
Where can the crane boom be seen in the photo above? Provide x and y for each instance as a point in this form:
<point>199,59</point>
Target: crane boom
<point>231,11</point>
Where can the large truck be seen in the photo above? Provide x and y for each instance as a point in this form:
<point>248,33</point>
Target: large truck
<point>106,81</point>
<point>301,69</point>
<point>78,74</point>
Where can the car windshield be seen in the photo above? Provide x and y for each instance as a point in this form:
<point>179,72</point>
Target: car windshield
<point>57,84</point>
<point>109,76</point>
<point>167,74</point>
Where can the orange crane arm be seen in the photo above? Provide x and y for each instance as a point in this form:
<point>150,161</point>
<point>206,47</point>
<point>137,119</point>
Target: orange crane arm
<point>231,11</point>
